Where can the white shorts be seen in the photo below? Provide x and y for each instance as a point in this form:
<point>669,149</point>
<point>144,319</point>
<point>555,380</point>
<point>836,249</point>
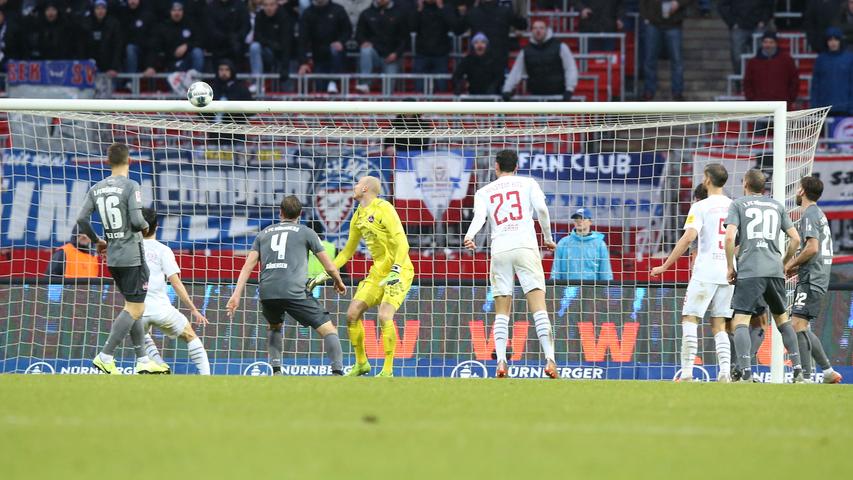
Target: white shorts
<point>704,297</point>
<point>168,320</point>
<point>524,262</point>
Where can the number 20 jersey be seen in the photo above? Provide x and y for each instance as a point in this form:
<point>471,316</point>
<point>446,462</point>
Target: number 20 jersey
<point>760,221</point>
<point>509,203</point>
<point>708,218</point>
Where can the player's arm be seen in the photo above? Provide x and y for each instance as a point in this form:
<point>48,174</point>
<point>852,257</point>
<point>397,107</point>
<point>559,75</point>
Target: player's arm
<point>793,244</point>
<point>681,246</point>
<point>537,197</point>
<point>396,236</point>
<point>134,209</point>
<point>84,224</point>
<point>181,290</point>
<point>809,250</point>
<point>245,273</point>
<point>477,222</point>
<point>731,235</point>
<point>349,249</point>
<point>331,270</point>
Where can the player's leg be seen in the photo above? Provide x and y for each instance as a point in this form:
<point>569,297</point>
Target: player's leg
<point>528,267</point>
<point>697,298</point>
<point>775,296</point>
<point>502,281</point>
<point>757,330</point>
<point>273,311</point>
<point>808,304</point>
<point>196,350</point>
<point>134,306</point>
<point>332,346</point>
<point>355,331</point>
<point>393,297</point>
<point>744,302</point>
<point>308,312</point>
<point>720,309</point>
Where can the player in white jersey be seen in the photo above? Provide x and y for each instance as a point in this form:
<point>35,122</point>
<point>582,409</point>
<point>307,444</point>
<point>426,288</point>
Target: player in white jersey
<point>159,311</point>
<point>509,204</point>
<point>708,288</point>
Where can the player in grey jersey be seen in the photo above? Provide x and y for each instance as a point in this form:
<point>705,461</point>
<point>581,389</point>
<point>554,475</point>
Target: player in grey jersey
<point>282,250</point>
<point>812,266</point>
<point>758,222</point>
<point>119,203</point>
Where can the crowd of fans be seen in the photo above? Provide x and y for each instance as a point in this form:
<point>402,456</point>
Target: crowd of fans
<point>288,37</point>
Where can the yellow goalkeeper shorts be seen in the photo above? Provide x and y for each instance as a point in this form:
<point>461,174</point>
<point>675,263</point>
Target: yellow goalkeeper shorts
<point>370,292</point>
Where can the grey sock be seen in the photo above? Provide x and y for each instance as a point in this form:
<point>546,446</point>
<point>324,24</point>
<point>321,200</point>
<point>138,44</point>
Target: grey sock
<point>120,328</point>
<point>818,351</point>
<point>332,345</point>
<point>805,353</point>
<point>137,336</point>
<point>742,344</point>
<point>274,347</point>
<point>756,336</point>
<point>789,339</point>
<point>732,343</point>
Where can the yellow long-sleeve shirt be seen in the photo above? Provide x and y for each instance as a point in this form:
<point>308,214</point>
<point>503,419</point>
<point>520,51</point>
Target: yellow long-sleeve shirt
<point>380,227</point>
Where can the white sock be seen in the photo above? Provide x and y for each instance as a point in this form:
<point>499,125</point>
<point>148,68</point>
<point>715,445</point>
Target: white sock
<point>543,331</point>
<point>142,359</point>
<point>501,332</point>
<point>689,346</point>
<point>105,357</point>
<point>724,352</point>
<point>828,371</point>
<point>151,350</point>
<point>199,356</point>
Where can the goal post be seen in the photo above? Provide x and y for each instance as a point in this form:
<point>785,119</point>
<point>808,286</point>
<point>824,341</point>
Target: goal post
<point>214,175</point>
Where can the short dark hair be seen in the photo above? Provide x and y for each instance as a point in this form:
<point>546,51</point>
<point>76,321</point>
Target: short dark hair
<point>813,187</point>
<point>291,207</point>
<point>150,217</point>
<point>700,192</point>
<point>118,154</point>
<point>507,160</point>
<point>717,173</point>
<point>755,180</point>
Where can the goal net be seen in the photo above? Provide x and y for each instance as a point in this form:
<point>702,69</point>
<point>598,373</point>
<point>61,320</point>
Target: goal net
<point>216,178</point>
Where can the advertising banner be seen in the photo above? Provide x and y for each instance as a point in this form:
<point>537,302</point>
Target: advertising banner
<point>430,186</point>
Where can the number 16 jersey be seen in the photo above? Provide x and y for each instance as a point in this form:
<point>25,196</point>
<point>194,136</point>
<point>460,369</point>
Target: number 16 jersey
<point>119,204</point>
<point>760,222</point>
<point>509,203</point>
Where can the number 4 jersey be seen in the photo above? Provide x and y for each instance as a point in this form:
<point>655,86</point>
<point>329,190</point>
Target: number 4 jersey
<point>760,221</point>
<point>509,203</point>
<point>708,218</point>
<point>283,250</point>
<point>119,204</point>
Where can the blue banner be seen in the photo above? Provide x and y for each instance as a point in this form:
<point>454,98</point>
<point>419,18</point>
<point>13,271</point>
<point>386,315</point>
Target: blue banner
<point>61,73</point>
<point>631,168</point>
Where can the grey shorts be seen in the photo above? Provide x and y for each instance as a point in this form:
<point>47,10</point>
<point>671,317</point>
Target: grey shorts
<point>808,302</point>
<point>132,282</point>
<point>750,291</point>
<point>306,311</point>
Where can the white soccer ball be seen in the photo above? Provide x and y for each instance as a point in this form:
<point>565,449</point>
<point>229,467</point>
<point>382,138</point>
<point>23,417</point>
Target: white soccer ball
<point>200,94</point>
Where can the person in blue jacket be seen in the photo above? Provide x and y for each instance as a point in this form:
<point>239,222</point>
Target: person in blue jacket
<point>832,78</point>
<point>583,254</point>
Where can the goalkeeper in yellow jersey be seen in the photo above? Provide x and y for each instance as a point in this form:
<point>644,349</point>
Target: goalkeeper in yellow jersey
<point>390,276</point>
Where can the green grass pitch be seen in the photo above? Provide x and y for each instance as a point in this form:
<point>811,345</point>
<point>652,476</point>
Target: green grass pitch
<point>194,428</point>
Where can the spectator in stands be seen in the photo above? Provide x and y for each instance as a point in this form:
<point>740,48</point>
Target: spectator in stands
<point>381,33</point>
<point>583,254</point>
<point>662,20</point>
<point>479,69</point>
<point>494,21</point>
<point>771,74</point>
<point>818,16</point>
<point>832,78</point>
<point>136,24</point>
<point>52,36</point>
<point>324,31</point>
<point>226,25</point>
<point>744,17</point>
<point>103,43</point>
<point>600,16</point>
<point>548,64</point>
<point>253,8</point>
<point>226,86</point>
<point>845,22</point>
<point>75,259</point>
<point>274,40</point>
<point>432,23</point>
<point>406,121</point>
<point>179,42</point>
<point>9,39</point>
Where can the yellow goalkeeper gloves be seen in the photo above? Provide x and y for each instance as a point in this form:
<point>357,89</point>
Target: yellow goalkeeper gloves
<point>318,280</point>
<point>393,278</point>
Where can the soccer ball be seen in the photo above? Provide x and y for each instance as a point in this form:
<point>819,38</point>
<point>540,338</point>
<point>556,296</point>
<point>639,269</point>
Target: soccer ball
<point>200,94</point>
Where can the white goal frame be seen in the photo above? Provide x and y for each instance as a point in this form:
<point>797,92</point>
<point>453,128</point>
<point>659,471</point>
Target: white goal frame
<point>776,109</point>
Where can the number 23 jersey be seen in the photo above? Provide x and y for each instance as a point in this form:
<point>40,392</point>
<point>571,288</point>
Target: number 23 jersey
<point>509,203</point>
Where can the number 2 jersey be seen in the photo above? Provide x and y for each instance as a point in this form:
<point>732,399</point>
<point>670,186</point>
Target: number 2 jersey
<point>760,222</point>
<point>509,203</point>
<point>708,218</point>
<point>815,272</point>
<point>119,204</point>
<point>283,250</point>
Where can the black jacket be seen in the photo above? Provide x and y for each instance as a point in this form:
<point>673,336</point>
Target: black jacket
<point>104,42</point>
<point>746,14</point>
<point>545,73</point>
<point>170,35</point>
<point>319,27</point>
<point>494,21</point>
<point>485,74</point>
<point>603,17</point>
<point>53,40</point>
<point>432,25</point>
<point>231,90</point>
<point>276,33</point>
<point>226,25</point>
<point>386,28</point>
<point>137,25</point>
<point>819,15</point>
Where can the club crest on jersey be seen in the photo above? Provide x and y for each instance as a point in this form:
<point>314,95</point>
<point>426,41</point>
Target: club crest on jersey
<point>438,176</point>
<point>333,206</point>
<point>370,219</point>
